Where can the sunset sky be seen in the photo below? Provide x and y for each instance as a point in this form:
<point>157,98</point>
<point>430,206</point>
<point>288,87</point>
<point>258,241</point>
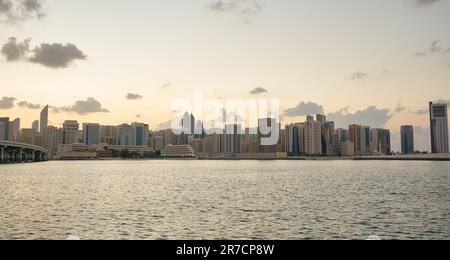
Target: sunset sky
<point>375,62</point>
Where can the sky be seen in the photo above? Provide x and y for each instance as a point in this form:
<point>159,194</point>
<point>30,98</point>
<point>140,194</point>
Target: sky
<point>374,62</point>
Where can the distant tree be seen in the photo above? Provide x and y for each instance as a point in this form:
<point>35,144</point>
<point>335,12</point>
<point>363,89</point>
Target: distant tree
<point>125,154</point>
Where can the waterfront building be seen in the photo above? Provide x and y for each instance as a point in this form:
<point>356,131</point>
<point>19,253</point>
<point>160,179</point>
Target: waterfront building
<point>313,137</point>
<point>126,135</point>
<point>140,134</point>
<point>43,119</point>
<point>179,151</point>
<point>232,138</point>
<point>380,142</point>
<point>35,126</point>
<point>439,128</point>
<point>360,136</point>
<point>70,132</point>
<point>51,138</point>
<point>157,142</point>
<point>407,139</point>
<point>109,135</point>
<point>295,138</point>
<point>4,128</point>
<point>91,133</point>
<point>14,130</point>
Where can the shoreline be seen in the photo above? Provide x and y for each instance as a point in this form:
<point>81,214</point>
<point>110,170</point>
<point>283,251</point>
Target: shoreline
<point>442,157</point>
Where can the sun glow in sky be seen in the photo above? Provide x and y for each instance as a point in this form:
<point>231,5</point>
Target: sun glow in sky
<point>379,61</point>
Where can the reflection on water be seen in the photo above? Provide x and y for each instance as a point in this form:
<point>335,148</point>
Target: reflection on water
<point>225,200</point>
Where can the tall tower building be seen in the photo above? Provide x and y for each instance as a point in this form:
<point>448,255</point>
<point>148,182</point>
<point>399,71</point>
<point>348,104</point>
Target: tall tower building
<point>4,128</point>
<point>140,134</point>
<point>91,134</point>
<point>70,129</point>
<point>439,128</point>
<point>14,130</point>
<point>35,126</point>
<point>313,136</point>
<point>126,135</point>
<point>43,119</point>
<point>407,139</point>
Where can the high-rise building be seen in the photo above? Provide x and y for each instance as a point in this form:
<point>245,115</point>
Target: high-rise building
<point>380,141</point>
<point>360,137</point>
<point>109,135</point>
<point>295,134</point>
<point>126,135</point>
<point>26,136</point>
<point>407,139</point>
<point>43,119</point>
<point>4,128</point>
<point>233,134</point>
<point>341,136</point>
<point>439,128</point>
<point>327,132</point>
<point>71,132</point>
<point>140,134</point>
<point>52,138</point>
<point>35,126</point>
<point>91,133</point>
<point>14,130</point>
<point>313,137</point>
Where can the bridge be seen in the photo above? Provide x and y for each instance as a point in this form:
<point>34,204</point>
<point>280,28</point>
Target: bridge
<point>12,152</point>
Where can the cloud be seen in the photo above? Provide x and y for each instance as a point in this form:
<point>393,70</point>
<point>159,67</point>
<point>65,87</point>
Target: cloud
<point>371,116</point>
<point>25,104</point>
<point>435,47</point>
<point>5,6</point>
<point>258,91</point>
<point>424,3</point>
<point>304,109</point>
<point>358,75</point>
<point>57,55</point>
<point>131,96</point>
<point>399,108</point>
<point>423,111</point>
<point>14,11</point>
<point>83,107</point>
<point>243,8</point>
<point>166,85</point>
<point>420,54</point>
<point>15,51</point>
<point>7,102</point>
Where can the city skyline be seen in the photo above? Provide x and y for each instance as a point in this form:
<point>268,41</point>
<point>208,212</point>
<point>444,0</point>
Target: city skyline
<point>316,57</point>
<point>314,136</point>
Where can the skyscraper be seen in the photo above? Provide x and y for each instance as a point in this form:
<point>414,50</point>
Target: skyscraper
<point>4,128</point>
<point>140,133</point>
<point>380,141</point>
<point>14,130</point>
<point>91,134</point>
<point>233,138</point>
<point>439,128</point>
<point>70,128</point>
<point>295,138</point>
<point>126,135</point>
<point>407,139</point>
<point>313,137</point>
<point>43,119</point>
<point>35,126</point>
